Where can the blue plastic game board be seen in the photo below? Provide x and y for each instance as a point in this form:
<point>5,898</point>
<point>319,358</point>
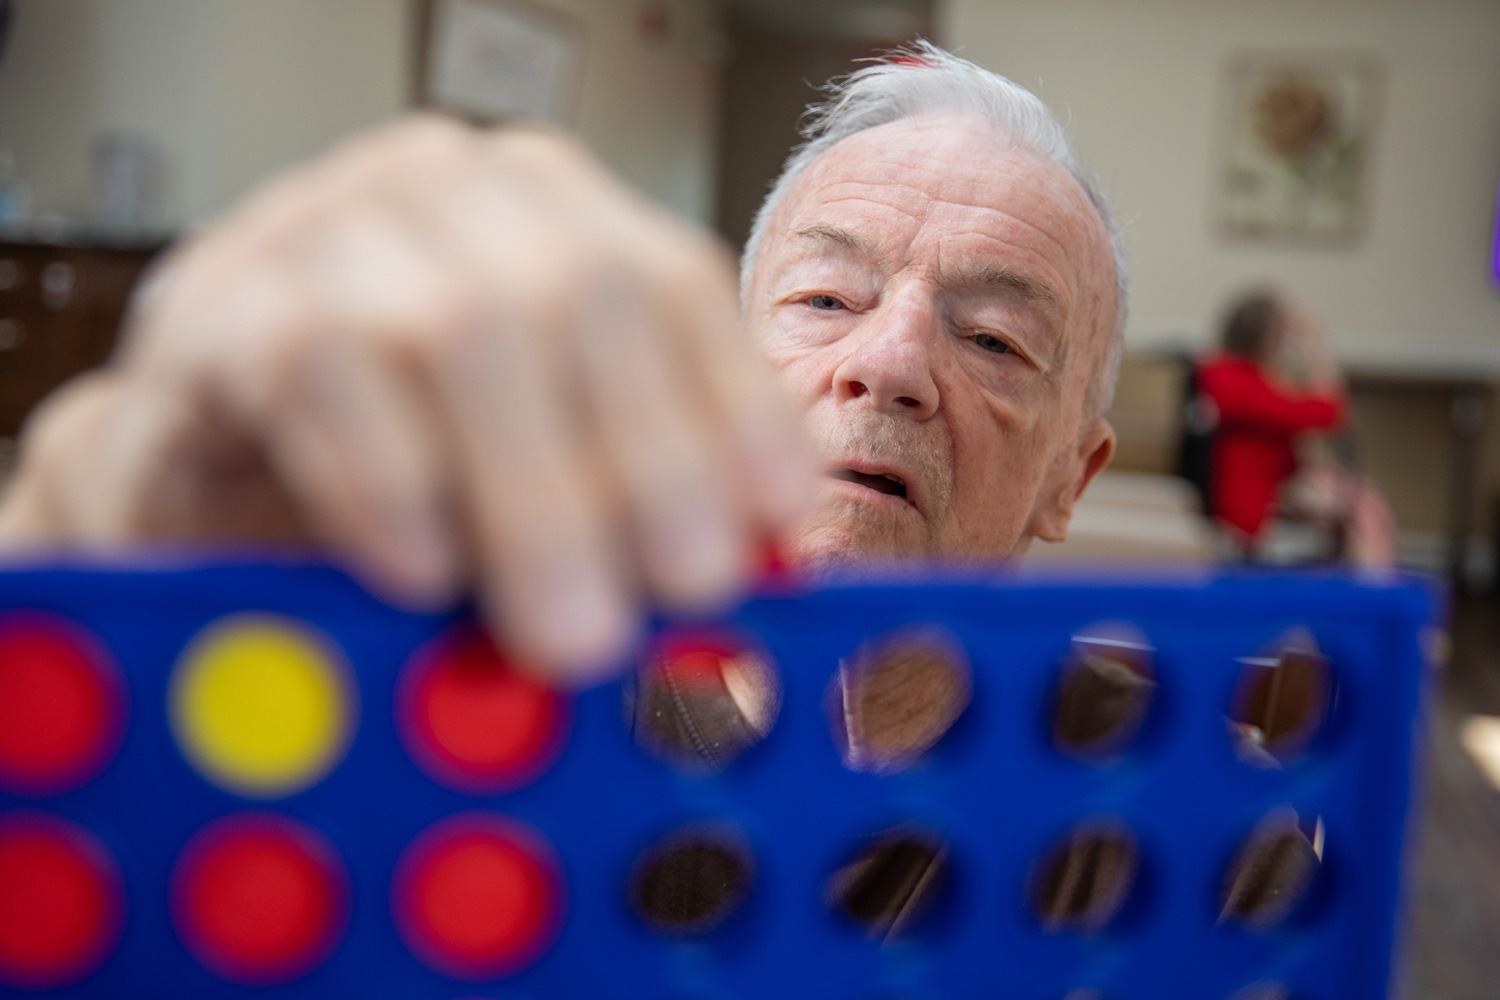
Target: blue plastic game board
<point>258,781</point>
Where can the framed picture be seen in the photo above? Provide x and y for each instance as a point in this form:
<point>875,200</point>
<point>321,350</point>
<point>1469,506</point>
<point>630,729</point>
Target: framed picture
<point>1299,134</point>
<point>498,60</point>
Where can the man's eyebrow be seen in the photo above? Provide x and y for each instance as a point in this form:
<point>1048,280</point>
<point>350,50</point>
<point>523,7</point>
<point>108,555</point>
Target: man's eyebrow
<point>983,275</point>
<point>993,277</point>
<point>856,244</point>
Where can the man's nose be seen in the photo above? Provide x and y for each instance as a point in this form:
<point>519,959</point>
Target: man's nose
<point>891,362</point>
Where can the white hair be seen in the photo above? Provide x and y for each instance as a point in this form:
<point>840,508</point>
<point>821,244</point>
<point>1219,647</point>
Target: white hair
<point>922,79</point>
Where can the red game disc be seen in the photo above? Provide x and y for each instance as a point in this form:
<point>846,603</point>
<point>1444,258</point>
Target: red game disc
<point>62,706</point>
<point>694,659</point>
<point>61,902</point>
<point>477,897</point>
<point>259,898</point>
<point>472,721</point>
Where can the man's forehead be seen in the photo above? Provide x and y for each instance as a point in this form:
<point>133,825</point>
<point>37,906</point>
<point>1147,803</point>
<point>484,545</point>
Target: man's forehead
<point>891,177</point>
<point>915,163</point>
<point>944,149</point>
<point>965,271</point>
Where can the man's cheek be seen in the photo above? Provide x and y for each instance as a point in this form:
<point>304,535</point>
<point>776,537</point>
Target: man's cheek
<point>801,374</point>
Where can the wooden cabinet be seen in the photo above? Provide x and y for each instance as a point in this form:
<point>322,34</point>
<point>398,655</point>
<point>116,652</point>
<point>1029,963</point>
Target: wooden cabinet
<point>60,309</point>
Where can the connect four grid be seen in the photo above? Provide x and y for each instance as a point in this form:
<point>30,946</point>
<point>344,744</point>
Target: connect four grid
<point>243,781</point>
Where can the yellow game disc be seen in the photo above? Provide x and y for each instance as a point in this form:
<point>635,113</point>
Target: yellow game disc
<point>261,706</point>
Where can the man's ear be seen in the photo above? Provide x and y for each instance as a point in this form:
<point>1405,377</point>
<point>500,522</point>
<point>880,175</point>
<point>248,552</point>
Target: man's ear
<point>1074,471</point>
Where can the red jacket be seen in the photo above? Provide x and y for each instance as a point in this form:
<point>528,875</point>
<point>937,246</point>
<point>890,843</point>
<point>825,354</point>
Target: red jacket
<point>1252,449</point>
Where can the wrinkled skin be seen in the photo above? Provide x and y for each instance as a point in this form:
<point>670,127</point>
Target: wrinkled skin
<point>939,304</point>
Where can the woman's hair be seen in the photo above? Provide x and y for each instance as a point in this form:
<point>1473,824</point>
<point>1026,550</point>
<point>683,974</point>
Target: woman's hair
<point>1250,325</point>
<point>922,79</point>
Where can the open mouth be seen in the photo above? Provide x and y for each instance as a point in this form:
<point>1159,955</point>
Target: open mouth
<point>880,482</point>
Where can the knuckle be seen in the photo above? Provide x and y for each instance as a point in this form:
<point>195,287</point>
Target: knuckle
<point>425,136</point>
<point>155,296</point>
<point>278,369</point>
<point>692,261</point>
<point>455,313</point>
<point>432,137</point>
<point>400,153</point>
<point>536,148</point>
<point>454,328</point>
<point>566,275</point>
<point>65,413</point>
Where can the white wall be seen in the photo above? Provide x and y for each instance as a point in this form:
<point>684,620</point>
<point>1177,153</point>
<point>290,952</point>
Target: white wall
<point>75,67</point>
<point>651,110</point>
<point>1141,81</point>
<point>233,90</point>
<point>295,75</point>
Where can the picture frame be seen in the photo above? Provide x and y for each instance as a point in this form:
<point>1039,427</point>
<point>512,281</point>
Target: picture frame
<point>494,61</point>
<point>1298,138</point>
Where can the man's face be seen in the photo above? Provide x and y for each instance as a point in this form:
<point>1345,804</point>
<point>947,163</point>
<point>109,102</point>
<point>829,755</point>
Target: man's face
<point>938,302</point>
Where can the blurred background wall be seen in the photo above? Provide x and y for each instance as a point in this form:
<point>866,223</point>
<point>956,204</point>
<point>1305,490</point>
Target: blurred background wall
<point>695,102</point>
<point>234,90</point>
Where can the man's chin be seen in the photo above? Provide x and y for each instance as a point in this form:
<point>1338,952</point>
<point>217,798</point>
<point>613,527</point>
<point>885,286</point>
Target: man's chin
<point>820,563</point>
<point>826,549</point>
<point>835,546</point>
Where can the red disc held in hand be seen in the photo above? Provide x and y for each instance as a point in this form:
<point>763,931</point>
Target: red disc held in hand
<point>62,707</point>
<point>61,905</point>
<point>259,899</point>
<point>477,897</point>
<point>474,722</point>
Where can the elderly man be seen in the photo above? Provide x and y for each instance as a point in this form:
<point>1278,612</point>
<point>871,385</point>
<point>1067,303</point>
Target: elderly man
<point>473,360</point>
<point>460,359</point>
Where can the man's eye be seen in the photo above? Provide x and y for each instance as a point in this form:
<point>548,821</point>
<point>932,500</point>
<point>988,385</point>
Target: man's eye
<point>991,343</point>
<point>825,302</point>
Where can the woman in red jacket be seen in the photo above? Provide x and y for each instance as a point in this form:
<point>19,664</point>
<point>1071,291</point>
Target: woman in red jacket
<point>1261,416</point>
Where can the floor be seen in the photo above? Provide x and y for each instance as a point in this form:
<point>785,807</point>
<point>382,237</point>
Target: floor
<point>1455,918</point>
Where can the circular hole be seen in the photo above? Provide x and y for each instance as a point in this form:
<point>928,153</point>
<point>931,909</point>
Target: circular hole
<point>1282,702</point>
<point>477,897</point>
<point>472,721</point>
<point>259,899</point>
<point>62,705</point>
<point>889,884</point>
<point>61,902</point>
<point>1086,879</point>
<point>1273,871</point>
<point>702,700</point>
<point>261,706</point>
<point>1104,692</point>
<point>691,882</point>
<point>898,696</point>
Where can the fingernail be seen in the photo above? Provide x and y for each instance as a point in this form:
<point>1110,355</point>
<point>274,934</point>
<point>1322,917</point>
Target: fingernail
<point>580,622</point>
<point>703,555</point>
<point>421,551</point>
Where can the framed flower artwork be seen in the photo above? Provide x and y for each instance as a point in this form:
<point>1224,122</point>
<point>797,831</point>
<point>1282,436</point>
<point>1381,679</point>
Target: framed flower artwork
<point>1297,150</point>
